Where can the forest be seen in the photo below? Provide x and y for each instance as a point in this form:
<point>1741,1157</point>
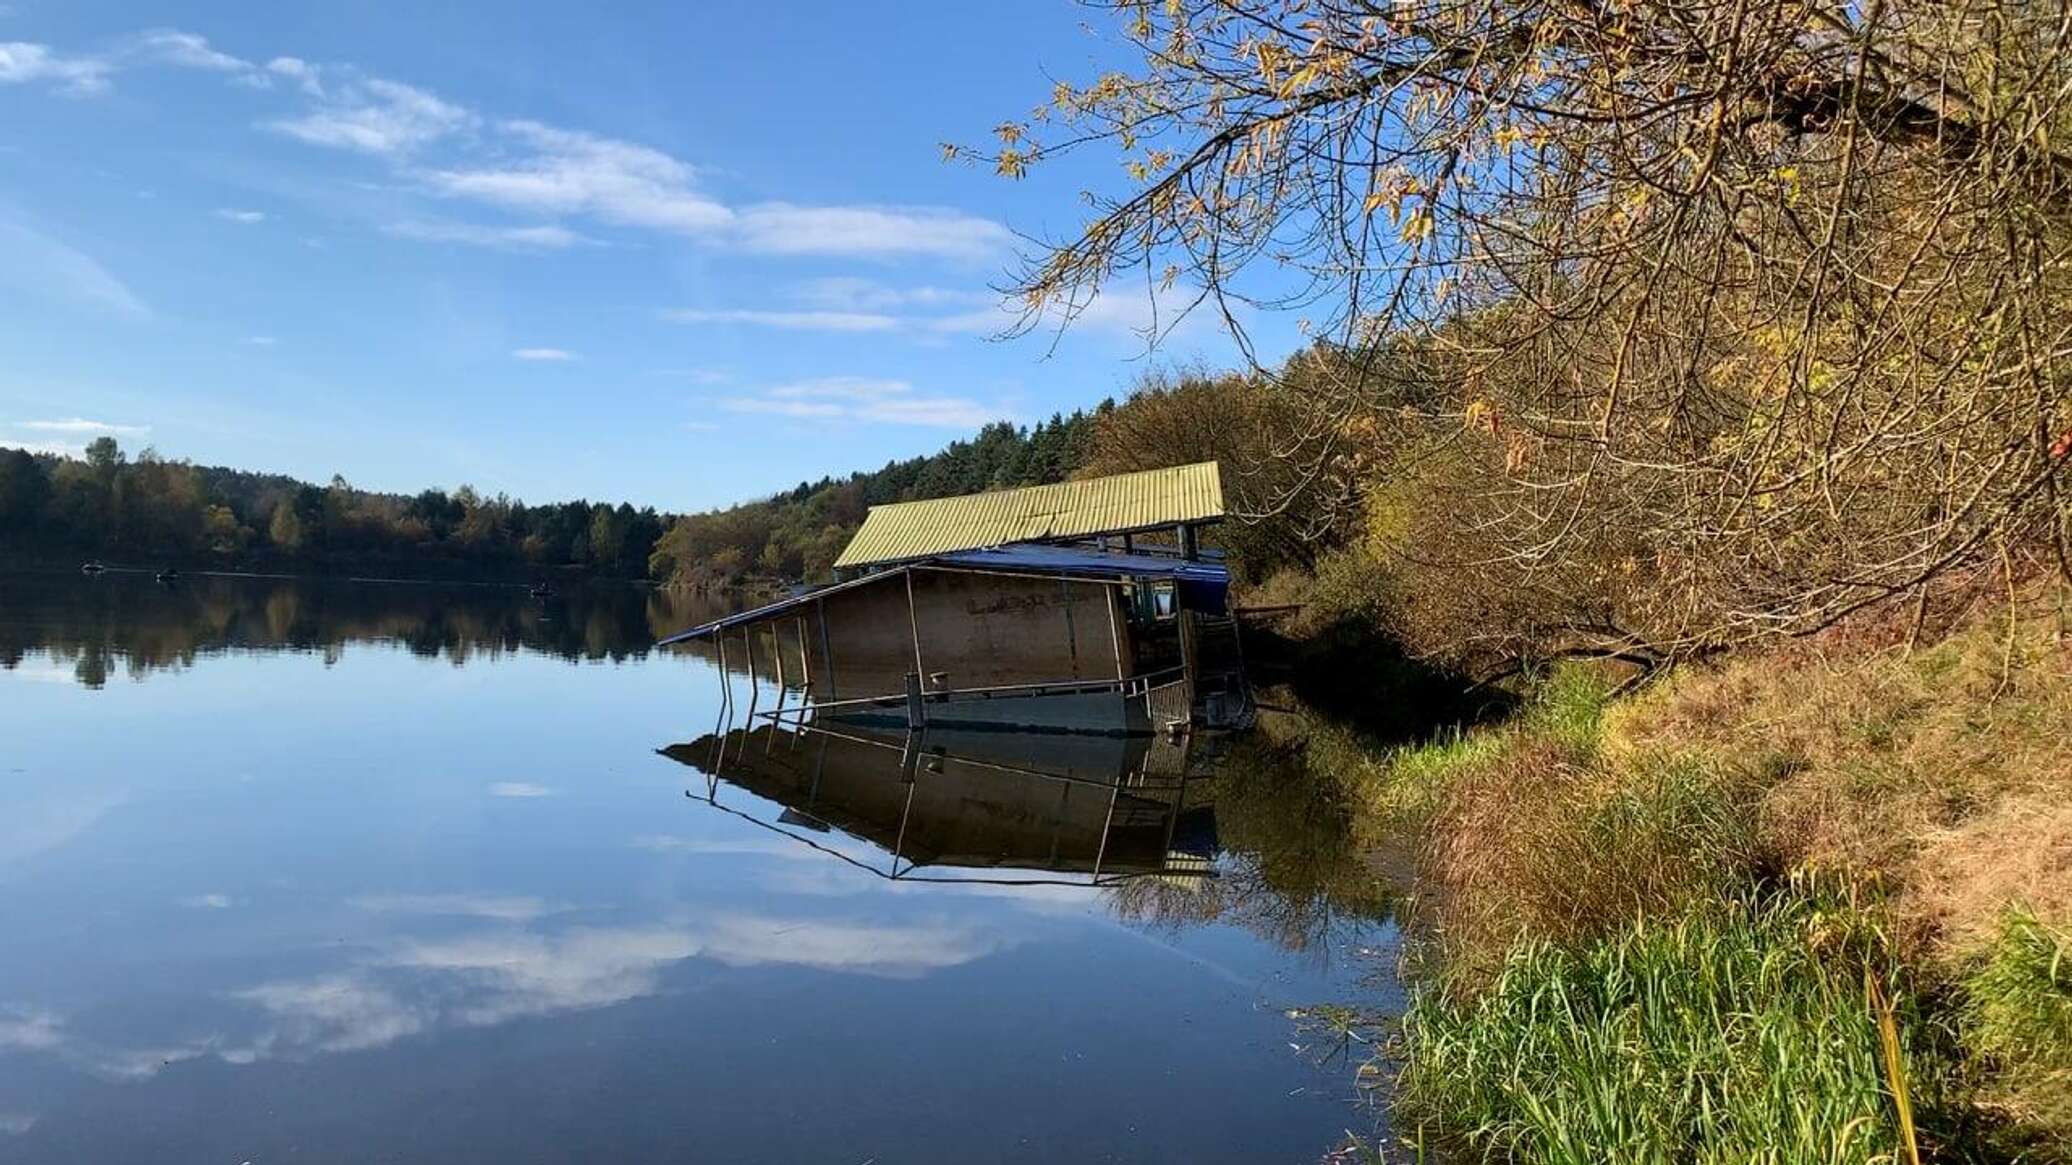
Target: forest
<point>149,510</point>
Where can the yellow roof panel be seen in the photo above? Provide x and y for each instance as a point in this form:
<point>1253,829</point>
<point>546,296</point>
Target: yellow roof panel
<point>1073,509</point>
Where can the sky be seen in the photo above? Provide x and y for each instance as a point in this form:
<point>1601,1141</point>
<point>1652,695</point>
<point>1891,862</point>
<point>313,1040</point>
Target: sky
<point>627,251</point>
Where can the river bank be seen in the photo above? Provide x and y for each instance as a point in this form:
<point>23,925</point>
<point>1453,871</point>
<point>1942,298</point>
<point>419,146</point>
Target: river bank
<point>1811,904</point>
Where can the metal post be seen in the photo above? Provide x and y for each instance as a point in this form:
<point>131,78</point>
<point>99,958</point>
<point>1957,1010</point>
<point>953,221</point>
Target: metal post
<point>917,715</point>
<point>726,681</point>
<point>914,624</point>
<point>827,655</point>
<point>1110,594</point>
<point>1106,825</point>
<point>805,664</point>
<point>748,647</point>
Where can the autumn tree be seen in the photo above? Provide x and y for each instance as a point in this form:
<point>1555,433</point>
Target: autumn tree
<point>1761,304</point>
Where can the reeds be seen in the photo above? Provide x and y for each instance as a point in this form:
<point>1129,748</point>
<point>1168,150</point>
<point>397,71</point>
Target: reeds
<point>1736,1032</point>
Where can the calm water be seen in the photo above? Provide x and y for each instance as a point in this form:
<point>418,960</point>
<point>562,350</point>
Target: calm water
<point>354,872</point>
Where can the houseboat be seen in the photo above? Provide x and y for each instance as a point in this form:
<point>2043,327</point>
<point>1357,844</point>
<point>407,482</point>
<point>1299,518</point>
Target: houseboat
<point>1081,607</point>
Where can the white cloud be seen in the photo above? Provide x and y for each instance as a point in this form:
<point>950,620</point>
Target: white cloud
<point>848,304</point>
<point>566,172</point>
<point>698,375</point>
<point>865,399</point>
<point>29,1028</point>
<point>261,341</point>
<point>810,321</point>
<point>335,1013</point>
<point>47,448</point>
<point>22,63</point>
<point>188,51</point>
<point>519,789</point>
<point>527,165</point>
<point>16,1123</point>
<point>376,116</point>
<point>781,228</point>
<point>299,71</point>
<point>547,354</point>
<point>43,267</point>
<point>206,902</point>
<point>505,908</point>
<point>849,293</point>
<point>247,217</point>
<point>530,238</point>
<point>83,427</point>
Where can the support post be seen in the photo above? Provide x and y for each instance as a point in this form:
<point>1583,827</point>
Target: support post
<point>917,714</point>
<point>827,655</point>
<point>914,624</point>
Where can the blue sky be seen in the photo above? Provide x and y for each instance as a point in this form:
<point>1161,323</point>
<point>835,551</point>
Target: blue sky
<point>649,254</point>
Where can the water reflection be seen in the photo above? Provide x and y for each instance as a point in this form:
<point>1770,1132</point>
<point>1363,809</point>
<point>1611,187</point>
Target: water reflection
<point>1176,830</point>
<point>312,892</point>
<point>1109,808</point>
<point>125,623</point>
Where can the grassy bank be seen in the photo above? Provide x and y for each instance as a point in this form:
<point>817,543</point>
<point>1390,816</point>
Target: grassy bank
<point>1812,905</point>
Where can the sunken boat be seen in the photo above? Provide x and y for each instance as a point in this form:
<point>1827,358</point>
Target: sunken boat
<point>1082,607</point>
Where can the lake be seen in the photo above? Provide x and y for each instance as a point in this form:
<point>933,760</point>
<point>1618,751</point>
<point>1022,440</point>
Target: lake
<point>336,871</point>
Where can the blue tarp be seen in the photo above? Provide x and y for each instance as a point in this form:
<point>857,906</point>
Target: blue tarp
<point>1203,584</point>
<point>1078,561</point>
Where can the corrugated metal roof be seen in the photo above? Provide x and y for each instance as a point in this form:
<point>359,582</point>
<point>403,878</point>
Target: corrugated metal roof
<point>905,531</point>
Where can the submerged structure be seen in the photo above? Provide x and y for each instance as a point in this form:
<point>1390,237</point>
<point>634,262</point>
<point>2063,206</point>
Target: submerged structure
<point>1082,607</point>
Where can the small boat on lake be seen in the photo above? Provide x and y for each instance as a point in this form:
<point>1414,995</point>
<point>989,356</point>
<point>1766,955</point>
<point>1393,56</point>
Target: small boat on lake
<point>92,566</point>
<point>168,575</point>
<point>540,590</point>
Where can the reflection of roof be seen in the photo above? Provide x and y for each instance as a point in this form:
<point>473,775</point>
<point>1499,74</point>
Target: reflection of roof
<point>904,531</point>
<point>1043,560</point>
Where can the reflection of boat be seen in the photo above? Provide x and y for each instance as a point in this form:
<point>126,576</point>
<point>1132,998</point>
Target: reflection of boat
<point>168,575</point>
<point>1099,808</point>
<point>92,566</point>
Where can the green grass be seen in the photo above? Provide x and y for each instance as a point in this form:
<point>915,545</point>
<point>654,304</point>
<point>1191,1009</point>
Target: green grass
<point>1737,1032</point>
<point>2017,1022</point>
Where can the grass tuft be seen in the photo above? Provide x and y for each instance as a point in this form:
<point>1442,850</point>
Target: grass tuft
<point>2017,1022</point>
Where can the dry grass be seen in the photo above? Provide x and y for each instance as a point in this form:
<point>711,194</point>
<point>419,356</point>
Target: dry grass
<point>1943,775</point>
<point>1934,786</point>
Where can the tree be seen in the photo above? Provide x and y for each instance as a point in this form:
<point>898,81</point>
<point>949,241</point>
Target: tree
<point>286,528</point>
<point>104,454</point>
<point>1776,289</point>
<point>24,492</point>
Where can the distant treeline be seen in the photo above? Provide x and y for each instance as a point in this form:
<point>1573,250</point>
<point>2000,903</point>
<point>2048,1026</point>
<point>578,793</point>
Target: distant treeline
<point>148,510</point>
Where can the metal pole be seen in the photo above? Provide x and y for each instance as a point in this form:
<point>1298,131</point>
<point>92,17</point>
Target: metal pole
<point>914,624</point>
<point>827,655</point>
<point>1106,825</point>
<point>748,647</point>
<point>805,664</point>
<point>726,682</point>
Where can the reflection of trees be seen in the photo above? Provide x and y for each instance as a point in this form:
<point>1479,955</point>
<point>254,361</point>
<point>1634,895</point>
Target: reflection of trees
<point>130,624</point>
<point>1298,866</point>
